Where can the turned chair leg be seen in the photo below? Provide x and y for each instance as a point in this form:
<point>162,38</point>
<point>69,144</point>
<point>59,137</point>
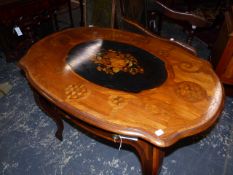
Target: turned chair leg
<point>70,14</point>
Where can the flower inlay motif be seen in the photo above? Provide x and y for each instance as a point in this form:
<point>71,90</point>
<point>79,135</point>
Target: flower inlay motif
<point>117,102</point>
<point>111,62</point>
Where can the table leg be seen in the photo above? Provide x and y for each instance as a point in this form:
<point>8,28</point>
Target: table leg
<point>151,164</point>
<point>52,112</point>
<point>151,157</point>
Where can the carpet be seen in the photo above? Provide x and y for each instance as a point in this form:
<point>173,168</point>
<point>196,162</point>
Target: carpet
<point>28,145</point>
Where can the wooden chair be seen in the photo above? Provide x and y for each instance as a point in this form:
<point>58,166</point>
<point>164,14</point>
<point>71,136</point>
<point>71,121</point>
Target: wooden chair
<point>123,15</point>
<point>190,21</point>
<point>127,23</point>
<point>138,28</point>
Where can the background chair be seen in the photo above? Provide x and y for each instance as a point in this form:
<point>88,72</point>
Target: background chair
<point>202,19</point>
<point>131,23</point>
<point>132,16</point>
<point>189,21</point>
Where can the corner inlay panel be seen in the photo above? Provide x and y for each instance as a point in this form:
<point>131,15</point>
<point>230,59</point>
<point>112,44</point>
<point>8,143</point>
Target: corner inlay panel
<point>189,91</point>
<point>76,91</point>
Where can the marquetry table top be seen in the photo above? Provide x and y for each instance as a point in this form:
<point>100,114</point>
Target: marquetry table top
<point>126,83</point>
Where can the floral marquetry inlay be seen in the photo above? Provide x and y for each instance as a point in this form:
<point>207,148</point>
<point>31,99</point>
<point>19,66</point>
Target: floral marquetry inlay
<point>76,91</point>
<point>111,62</point>
<point>117,102</point>
<point>190,91</point>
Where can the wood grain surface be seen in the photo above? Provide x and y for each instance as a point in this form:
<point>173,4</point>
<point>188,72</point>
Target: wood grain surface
<point>188,102</point>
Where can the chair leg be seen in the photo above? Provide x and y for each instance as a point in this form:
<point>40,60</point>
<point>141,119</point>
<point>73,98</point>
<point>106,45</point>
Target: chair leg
<point>159,24</point>
<point>154,24</point>
<point>70,14</point>
<point>55,21</point>
<point>191,35</point>
<point>81,6</point>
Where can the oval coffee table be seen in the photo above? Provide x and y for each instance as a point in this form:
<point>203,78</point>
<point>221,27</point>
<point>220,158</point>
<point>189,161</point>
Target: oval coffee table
<point>125,88</point>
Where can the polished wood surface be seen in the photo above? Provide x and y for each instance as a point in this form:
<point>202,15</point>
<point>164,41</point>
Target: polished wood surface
<point>188,102</point>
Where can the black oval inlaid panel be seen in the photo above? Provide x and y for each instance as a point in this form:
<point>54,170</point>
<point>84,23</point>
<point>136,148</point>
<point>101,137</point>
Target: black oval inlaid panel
<point>117,65</point>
